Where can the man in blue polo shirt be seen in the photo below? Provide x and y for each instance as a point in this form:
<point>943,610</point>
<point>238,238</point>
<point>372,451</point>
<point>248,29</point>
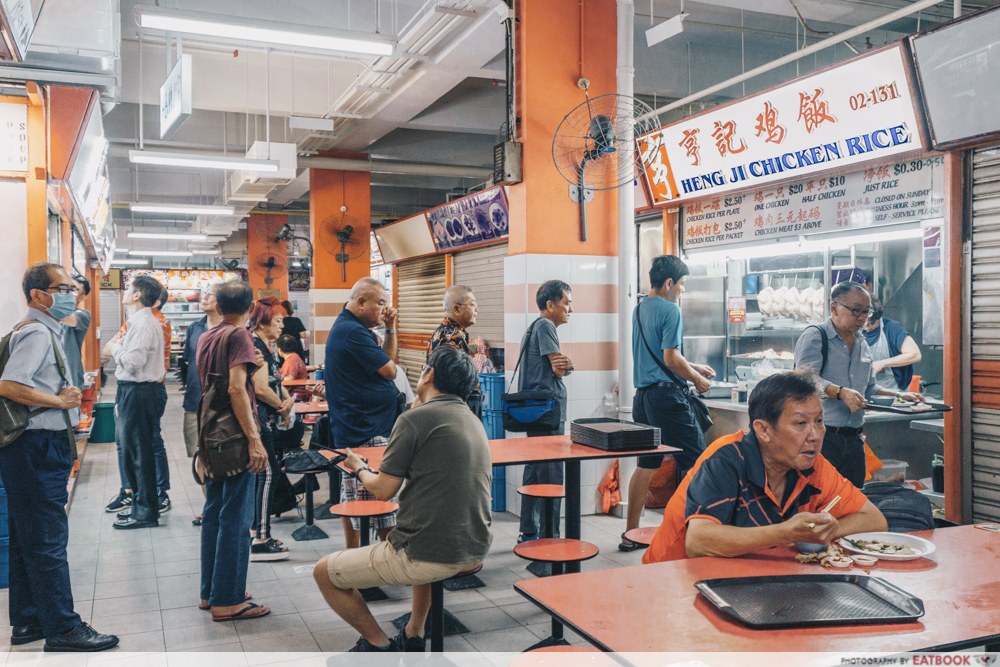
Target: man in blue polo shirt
<point>359,386</point>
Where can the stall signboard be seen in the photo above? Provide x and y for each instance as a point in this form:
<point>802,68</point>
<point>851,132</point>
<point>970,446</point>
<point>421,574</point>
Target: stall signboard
<point>887,194</point>
<point>13,137</point>
<point>857,112</point>
<point>175,97</point>
<point>112,279</point>
<point>184,284</point>
<point>473,219</point>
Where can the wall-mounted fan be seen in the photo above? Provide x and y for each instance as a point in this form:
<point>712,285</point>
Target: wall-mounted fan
<point>344,238</point>
<point>592,146</point>
<point>297,245</point>
<point>266,229</point>
<point>269,266</point>
<point>228,264</point>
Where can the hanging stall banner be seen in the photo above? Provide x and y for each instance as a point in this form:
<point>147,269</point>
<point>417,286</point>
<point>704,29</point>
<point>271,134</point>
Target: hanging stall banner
<point>883,195</point>
<point>860,111</point>
<point>112,279</point>
<point>184,284</point>
<point>473,219</point>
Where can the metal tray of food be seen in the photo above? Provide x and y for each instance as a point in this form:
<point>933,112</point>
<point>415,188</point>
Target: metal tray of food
<point>805,600</point>
<point>907,408</point>
<point>613,434</point>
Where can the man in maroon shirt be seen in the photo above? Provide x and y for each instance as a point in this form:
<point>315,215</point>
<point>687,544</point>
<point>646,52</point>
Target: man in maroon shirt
<point>225,523</point>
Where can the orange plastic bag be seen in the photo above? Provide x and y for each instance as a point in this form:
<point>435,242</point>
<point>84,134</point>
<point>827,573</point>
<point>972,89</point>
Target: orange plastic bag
<point>611,494</point>
<point>663,484</point>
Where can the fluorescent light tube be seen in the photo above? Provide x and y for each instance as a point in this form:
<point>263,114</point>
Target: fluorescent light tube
<point>664,31</point>
<point>310,123</point>
<point>174,237</point>
<point>161,253</point>
<point>197,161</point>
<point>182,209</point>
<point>214,25</point>
<point>129,262</point>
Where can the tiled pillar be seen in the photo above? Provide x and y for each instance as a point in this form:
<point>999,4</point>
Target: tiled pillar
<point>570,40</point>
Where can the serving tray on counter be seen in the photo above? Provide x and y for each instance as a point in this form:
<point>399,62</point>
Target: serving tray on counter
<point>909,409</point>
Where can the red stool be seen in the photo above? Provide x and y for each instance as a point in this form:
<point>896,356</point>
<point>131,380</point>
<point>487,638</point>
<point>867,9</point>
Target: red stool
<point>643,536</point>
<point>436,616</point>
<point>365,510</point>
<point>557,551</point>
<point>548,493</point>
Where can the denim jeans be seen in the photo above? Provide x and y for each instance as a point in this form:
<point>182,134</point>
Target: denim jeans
<point>532,517</point>
<point>140,407</point>
<point>225,550</point>
<point>159,453</point>
<point>35,469</point>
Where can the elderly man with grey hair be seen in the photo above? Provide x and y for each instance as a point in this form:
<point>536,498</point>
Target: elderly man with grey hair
<point>460,310</point>
<point>837,354</point>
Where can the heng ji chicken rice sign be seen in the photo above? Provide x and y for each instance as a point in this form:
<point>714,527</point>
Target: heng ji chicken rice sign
<point>855,113</point>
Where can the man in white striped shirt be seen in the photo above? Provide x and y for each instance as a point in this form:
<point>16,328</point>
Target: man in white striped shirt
<point>140,400</point>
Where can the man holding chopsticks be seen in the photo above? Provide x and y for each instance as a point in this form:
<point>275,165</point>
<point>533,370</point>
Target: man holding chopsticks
<point>768,487</point>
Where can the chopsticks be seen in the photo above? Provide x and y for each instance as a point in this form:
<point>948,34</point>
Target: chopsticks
<point>830,506</point>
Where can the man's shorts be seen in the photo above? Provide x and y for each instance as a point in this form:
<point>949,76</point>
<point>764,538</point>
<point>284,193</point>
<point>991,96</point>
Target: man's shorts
<point>352,489</point>
<point>380,564</point>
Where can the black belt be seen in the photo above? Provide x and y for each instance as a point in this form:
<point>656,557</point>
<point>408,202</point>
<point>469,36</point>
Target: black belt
<point>664,385</point>
<point>845,430</point>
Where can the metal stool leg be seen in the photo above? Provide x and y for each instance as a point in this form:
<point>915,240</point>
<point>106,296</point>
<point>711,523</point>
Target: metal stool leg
<point>557,637</point>
<point>436,617</point>
<point>370,594</point>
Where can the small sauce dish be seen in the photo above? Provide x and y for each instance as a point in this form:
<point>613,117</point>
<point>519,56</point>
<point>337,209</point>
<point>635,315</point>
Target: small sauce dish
<point>841,562</point>
<point>864,561</point>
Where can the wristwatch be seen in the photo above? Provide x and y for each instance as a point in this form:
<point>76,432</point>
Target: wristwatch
<point>358,471</point>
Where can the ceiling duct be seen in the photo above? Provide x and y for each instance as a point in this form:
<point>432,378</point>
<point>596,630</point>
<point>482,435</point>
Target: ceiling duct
<point>246,184</point>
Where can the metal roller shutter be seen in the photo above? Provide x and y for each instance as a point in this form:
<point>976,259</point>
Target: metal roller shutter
<point>985,324</point>
<point>421,289</point>
<point>482,270</point>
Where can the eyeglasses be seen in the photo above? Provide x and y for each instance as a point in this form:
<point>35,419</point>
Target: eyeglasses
<point>63,289</point>
<point>856,311</point>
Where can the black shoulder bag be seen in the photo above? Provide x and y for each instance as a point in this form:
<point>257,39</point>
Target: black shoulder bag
<point>698,406</point>
<point>534,410</point>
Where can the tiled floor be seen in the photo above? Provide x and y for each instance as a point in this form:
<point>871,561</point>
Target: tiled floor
<point>143,585</point>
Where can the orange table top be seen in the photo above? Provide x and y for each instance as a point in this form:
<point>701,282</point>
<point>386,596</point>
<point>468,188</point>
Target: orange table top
<point>514,451</point>
<point>627,609</point>
<point>290,382</point>
<point>362,508</point>
<point>305,408</point>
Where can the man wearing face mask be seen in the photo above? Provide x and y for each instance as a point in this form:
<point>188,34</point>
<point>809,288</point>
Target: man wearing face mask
<point>35,468</point>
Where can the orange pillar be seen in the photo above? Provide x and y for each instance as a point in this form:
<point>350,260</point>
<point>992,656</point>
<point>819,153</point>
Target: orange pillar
<point>261,249</point>
<point>92,347</point>
<point>556,43</point>
<point>36,180</point>
<point>337,199</point>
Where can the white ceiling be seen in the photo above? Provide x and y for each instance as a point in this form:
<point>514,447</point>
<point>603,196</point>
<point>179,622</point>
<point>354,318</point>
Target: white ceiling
<point>440,100</point>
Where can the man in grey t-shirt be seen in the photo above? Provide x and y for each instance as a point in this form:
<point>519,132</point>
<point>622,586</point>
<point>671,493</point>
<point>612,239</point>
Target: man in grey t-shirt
<point>443,526</point>
<point>543,367</point>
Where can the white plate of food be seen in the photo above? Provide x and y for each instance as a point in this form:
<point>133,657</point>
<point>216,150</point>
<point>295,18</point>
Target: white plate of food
<point>888,546</point>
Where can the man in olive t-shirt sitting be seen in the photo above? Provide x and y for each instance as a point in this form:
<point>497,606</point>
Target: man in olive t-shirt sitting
<point>443,523</point>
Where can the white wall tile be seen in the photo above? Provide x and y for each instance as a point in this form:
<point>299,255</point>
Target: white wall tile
<point>606,270</point>
<point>583,270</point>
<point>514,269</point>
<point>590,328</point>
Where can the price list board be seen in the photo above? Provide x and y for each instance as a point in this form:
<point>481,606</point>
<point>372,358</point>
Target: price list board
<point>906,191</point>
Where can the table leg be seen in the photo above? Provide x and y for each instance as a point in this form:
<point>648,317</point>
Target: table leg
<point>310,531</point>
<point>370,594</point>
<point>324,509</point>
<point>572,486</point>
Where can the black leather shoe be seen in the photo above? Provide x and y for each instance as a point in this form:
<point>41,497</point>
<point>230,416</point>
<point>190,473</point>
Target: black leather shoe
<point>81,638</point>
<point>124,514</point>
<point>130,524</point>
<point>25,634</point>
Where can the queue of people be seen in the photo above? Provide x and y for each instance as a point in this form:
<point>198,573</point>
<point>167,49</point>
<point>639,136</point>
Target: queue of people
<point>746,491</point>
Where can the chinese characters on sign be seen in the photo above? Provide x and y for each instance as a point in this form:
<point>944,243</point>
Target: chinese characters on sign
<point>472,219</point>
<point>858,112</point>
<point>884,195</point>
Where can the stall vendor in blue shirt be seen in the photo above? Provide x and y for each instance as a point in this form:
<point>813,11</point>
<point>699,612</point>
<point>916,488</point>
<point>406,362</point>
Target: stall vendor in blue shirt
<point>845,377</point>
<point>360,391</point>
<point>893,350</point>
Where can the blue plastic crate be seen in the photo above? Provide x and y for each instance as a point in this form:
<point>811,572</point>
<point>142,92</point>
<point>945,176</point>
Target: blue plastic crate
<point>491,384</point>
<point>4,562</point>
<point>493,423</point>
<point>499,489</point>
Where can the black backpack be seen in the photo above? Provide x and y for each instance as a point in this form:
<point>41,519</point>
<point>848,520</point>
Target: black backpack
<point>906,510</point>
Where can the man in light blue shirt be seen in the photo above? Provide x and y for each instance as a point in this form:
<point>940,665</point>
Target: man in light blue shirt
<point>661,374</point>
<point>35,469</point>
<point>844,377</point>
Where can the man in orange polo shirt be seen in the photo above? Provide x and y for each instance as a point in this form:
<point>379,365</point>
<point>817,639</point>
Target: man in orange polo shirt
<point>764,488</point>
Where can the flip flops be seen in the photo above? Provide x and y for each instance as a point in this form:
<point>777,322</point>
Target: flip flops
<point>204,606</point>
<point>252,610</point>
<point>628,545</point>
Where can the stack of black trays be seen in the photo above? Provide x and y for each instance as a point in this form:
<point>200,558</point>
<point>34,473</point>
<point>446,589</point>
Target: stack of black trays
<point>614,435</point>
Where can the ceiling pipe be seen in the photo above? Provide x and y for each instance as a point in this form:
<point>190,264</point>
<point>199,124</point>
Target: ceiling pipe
<point>393,167</point>
<point>796,55</point>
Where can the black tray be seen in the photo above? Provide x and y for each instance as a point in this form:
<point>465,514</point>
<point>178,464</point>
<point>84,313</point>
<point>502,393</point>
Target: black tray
<point>804,600</point>
<point>908,409</point>
<point>613,434</point>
